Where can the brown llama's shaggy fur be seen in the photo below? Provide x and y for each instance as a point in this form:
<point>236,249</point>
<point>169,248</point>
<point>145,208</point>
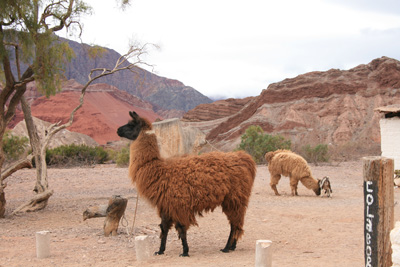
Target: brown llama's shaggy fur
<point>288,163</point>
<point>183,187</point>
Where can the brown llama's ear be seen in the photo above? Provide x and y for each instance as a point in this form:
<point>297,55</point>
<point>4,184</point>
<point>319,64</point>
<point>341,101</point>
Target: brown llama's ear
<point>133,114</point>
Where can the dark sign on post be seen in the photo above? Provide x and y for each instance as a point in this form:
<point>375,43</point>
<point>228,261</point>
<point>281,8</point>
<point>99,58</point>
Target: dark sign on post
<point>371,219</point>
<point>378,211</point>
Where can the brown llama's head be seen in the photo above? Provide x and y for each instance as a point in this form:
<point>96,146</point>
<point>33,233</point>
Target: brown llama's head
<point>325,185</point>
<point>132,129</point>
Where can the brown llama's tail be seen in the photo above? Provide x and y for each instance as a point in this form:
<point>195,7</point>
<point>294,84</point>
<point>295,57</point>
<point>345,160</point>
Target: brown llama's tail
<point>250,163</point>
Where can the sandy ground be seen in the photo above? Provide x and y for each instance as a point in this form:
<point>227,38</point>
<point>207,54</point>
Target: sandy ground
<point>305,230</point>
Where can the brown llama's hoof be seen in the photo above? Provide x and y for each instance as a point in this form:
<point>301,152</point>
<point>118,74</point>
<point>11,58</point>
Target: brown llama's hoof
<point>158,253</point>
<point>225,250</point>
<point>184,255</point>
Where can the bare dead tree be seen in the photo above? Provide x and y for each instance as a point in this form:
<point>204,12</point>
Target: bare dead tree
<point>30,27</point>
<point>40,144</point>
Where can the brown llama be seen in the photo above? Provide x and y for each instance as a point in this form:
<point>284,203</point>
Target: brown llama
<point>183,187</point>
<point>287,163</point>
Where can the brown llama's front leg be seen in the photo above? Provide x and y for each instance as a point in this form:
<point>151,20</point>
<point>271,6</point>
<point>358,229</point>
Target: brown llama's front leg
<point>182,235</point>
<point>165,225</point>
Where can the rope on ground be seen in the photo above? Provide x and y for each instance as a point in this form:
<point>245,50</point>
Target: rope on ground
<point>124,220</point>
<point>134,216</point>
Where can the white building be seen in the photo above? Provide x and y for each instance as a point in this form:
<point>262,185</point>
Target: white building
<point>390,133</point>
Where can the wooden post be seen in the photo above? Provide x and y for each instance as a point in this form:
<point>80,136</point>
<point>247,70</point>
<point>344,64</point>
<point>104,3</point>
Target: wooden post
<point>263,253</point>
<point>378,210</point>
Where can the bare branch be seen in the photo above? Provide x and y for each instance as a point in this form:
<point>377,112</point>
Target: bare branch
<point>15,166</point>
<point>64,18</point>
<point>19,89</point>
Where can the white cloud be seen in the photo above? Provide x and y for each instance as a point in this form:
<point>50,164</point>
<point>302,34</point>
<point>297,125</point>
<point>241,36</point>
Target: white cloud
<point>236,48</point>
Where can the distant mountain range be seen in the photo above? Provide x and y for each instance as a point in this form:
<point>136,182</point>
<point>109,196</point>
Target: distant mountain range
<point>163,93</point>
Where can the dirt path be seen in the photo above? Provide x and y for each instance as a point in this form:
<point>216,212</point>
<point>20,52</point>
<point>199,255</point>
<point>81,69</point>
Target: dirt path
<point>306,230</point>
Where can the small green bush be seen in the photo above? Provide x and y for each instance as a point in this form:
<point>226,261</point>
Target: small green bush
<point>76,155</point>
<point>256,143</point>
<point>316,154</point>
<point>122,157</point>
<point>14,146</point>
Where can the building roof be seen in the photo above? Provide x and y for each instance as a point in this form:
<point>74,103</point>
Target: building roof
<point>389,109</point>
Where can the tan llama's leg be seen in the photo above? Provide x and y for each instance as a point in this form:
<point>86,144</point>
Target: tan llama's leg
<point>274,181</point>
<point>293,185</point>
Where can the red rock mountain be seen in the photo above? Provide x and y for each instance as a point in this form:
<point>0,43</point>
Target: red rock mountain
<point>105,108</point>
<point>333,107</point>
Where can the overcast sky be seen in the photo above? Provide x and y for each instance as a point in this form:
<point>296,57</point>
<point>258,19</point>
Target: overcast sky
<point>229,48</point>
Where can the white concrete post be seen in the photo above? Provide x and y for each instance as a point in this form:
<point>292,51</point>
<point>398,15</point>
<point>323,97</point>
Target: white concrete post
<point>142,247</point>
<point>43,244</point>
<point>263,253</point>
<point>395,239</point>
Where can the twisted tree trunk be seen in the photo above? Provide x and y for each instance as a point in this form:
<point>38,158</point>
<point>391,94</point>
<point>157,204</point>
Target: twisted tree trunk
<point>39,153</point>
<point>2,201</point>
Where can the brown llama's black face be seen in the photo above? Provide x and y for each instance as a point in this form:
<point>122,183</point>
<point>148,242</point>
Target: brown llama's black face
<point>132,129</point>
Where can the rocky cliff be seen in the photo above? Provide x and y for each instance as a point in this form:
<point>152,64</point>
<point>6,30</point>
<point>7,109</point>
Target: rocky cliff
<point>174,139</point>
<point>335,107</point>
<point>216,110</point>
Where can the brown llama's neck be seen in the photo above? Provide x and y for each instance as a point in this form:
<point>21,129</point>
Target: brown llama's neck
<point>142,151</point>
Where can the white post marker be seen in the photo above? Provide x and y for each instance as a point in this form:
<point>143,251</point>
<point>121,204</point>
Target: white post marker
<point>43,244</point>
<point>263,253</point>
<point>395,239</point>
<point>142,248</point>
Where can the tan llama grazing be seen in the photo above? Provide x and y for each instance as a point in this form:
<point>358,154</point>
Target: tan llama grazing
<point>183,187</point>
<point>287,163</point>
